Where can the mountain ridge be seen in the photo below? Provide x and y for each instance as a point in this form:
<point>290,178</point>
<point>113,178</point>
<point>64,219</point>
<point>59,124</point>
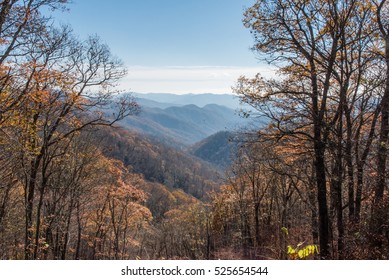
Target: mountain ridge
<point>201,100</point>
<point>182,126</point>
<point>217,149</point>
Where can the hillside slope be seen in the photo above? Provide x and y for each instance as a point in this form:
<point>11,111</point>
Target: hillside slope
<point>159,163</point>
<point>182,126</point>
<point>217,149</point>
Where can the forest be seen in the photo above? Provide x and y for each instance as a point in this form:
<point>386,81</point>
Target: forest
<point>310,182</point>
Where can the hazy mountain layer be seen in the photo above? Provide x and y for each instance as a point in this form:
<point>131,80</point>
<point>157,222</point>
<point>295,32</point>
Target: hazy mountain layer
<point>185,125</point>
<point>164,100</point>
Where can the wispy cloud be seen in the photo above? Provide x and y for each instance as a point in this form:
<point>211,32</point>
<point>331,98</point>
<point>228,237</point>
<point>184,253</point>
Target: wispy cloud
<point>188,79</point>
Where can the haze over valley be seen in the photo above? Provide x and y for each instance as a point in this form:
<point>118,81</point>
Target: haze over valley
<point>183,120</point>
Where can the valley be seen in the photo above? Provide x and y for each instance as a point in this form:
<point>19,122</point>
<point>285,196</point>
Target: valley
<point>179,123</point>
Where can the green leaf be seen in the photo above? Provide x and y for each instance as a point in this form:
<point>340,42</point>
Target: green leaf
<point>291,250</point>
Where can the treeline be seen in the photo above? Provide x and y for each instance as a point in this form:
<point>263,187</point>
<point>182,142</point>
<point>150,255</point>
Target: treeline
<point>319,168</point>
<point>90,206</point>
<point>49,171</point>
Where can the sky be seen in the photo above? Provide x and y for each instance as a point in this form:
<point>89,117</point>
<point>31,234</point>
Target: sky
<point>171,46</point>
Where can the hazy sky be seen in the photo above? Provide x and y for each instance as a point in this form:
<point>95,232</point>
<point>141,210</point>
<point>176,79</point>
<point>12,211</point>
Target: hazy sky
<point>178,46</point>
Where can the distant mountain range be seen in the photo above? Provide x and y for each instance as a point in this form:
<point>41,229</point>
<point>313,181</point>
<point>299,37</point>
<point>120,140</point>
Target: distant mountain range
<point>182,120</point>
<point>183,126</point>
<point>164,100</point>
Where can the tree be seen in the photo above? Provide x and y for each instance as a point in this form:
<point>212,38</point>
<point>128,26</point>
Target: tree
<point>380,207</point>
<point>20,22</point>
<point>322,49</point>
<point>52,87</point>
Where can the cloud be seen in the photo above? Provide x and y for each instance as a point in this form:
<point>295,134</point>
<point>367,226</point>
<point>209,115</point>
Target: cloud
<point>188,79</point>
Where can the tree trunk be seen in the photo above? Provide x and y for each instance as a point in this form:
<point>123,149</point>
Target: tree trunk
<point>79,232</point>
<point>379,213</point>
<point>30,194</point>
<point>257,224</point>
<point>322,199</point>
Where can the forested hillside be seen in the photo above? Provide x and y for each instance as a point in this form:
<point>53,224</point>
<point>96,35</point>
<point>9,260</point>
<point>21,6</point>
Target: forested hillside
<point>327,140</point>
<point>158,162</point>
<point>310,181</point>
<point>182,126</point>
<point>218,149</point>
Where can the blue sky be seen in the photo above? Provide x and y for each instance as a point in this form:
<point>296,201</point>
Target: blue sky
<point>178,46</point>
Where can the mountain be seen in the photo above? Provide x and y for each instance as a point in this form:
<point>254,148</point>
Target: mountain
<point>163,99</point>
<point>217,149</point>
<point>182,126</point>
<point>159,163</point>
<point>144,102</point>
